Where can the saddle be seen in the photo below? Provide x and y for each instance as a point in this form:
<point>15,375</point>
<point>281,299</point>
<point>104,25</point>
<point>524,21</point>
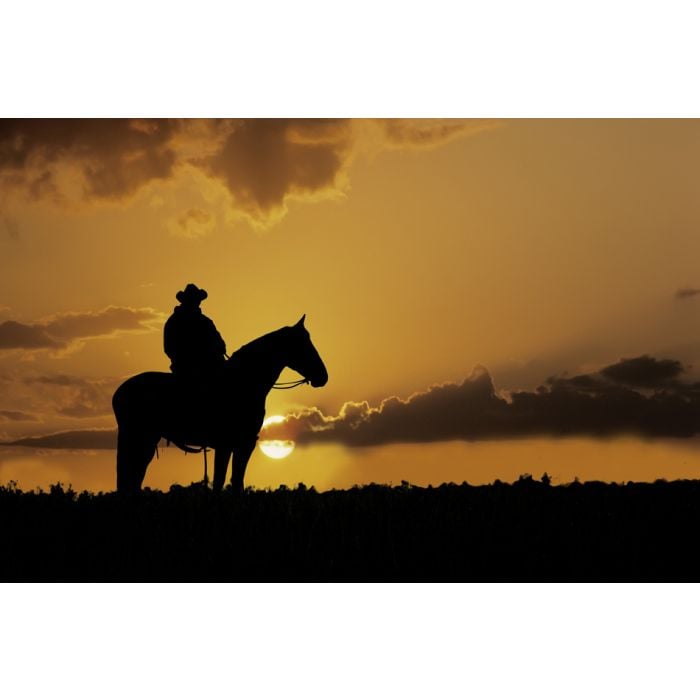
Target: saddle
<point>198,410</point>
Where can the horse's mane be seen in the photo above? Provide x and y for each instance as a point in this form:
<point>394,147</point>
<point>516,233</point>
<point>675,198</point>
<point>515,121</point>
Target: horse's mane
<point>256,346</point>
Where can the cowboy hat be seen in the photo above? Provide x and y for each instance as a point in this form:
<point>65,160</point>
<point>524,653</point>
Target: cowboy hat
<point>192,294</point>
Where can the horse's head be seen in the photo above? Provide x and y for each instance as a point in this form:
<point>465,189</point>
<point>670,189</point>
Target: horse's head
<point>303,357</point>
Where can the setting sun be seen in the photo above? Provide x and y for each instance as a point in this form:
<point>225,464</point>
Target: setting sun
<point>276,449</point>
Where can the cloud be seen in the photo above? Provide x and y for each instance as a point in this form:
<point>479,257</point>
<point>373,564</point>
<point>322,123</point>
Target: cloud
<point>687,293</point>
<point>11,227</point>
<point>93,324</point>
<point>427,133</point>
<point>72,440</point>
<point>75,397</point>
<point>192,223</point>
<point>18,416</point>
<point>640,396</point>
<point>66,330</point>
<point>54,398</point>
<point>261,164</point>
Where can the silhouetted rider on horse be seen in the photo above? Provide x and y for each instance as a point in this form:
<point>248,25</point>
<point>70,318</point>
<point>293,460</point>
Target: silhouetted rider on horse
<point>190,339</point>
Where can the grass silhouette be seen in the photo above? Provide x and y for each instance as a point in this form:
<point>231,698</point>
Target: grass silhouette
<point>526,531</point>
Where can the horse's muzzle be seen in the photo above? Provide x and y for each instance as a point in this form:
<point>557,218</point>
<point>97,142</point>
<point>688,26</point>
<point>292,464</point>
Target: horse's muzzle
<point>319,381</point>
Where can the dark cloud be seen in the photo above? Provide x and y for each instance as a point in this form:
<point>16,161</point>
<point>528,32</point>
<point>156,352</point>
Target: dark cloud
<point>19,335</point>
<point>115,157</point>
<point>598,404</point>
<point>263,161</point>
<point>60,330</point>
<point>644,371</point>
<point>639,396</point>
<point>687,293</point>
<point>18,416</point>
<point>260,162</point>
<point>72,440</point>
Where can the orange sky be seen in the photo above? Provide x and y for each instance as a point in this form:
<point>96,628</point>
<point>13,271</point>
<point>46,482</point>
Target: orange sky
<point>417,249</point>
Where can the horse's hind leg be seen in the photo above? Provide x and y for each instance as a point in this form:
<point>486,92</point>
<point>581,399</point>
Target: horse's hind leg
<point>241,455</point>
<point>134,453</point>
<point>221,458</point>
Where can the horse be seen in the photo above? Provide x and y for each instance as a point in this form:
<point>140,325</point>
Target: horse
<point>226,414</point>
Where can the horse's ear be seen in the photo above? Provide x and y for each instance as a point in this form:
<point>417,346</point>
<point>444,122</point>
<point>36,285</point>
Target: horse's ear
<point>300,322</point>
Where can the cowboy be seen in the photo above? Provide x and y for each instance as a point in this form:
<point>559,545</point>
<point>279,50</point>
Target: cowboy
<point>190,339</point>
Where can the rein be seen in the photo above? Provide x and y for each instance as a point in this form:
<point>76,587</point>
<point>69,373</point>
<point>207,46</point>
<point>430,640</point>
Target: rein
<point>289,385</point>
<point>194,451</point>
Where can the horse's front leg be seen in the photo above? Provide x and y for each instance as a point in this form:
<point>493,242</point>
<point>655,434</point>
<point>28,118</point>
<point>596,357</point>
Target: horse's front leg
<point>241,455</point>
<point>221,458</point>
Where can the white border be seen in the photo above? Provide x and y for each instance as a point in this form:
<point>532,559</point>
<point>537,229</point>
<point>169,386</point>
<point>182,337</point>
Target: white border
<point>365,58</point>
<point>349,641</point>
<point>351,59</point>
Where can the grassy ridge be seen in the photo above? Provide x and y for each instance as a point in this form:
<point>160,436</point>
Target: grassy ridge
<point>501,532</point>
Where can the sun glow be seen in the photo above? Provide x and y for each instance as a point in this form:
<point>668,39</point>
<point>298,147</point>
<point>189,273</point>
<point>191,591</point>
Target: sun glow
<point>276,449</point>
